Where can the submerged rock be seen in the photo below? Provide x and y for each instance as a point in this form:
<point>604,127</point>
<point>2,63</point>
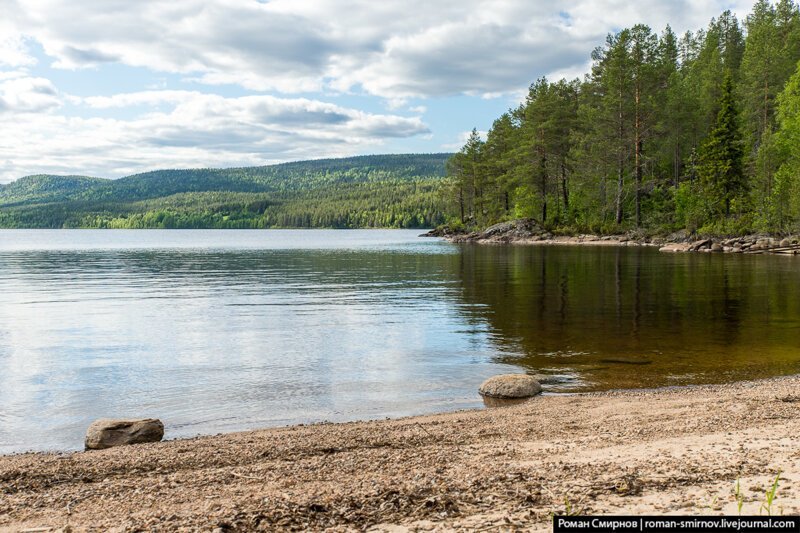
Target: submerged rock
<point>110,432</point>
<point>509,386</point>
<point>626,361</point>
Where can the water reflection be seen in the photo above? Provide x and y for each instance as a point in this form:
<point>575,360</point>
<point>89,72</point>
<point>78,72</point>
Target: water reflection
<point>601,318</point>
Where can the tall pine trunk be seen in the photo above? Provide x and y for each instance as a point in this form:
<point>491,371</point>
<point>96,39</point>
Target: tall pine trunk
<point>564,190</point>
<point>638,150</point>
<point>620,161</point>
<point>543,185</point>
<point>461,201</point>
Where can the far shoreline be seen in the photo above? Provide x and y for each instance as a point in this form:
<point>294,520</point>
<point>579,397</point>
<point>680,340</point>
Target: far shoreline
<point>527,232</point>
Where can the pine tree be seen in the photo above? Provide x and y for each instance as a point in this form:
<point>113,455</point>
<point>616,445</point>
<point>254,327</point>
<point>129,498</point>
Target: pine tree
<point>669,123</point>
<point>645,77</point>
<point>498,161</point>
<point>611,77</point>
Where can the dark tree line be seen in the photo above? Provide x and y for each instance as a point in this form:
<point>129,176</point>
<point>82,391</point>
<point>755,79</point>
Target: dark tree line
<point>665,132</point>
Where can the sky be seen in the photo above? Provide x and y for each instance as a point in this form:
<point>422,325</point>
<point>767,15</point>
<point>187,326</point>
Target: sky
<point>114,87</point>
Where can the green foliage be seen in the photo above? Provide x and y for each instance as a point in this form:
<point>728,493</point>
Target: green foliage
<point>393,191</point>
<point>690,208</point>
<point>664,133</point>
<point>781,151</point>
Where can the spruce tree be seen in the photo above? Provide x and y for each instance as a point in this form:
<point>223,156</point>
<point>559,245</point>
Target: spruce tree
<point>721,157</point>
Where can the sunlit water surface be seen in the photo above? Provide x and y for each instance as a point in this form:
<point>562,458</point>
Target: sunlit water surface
<point>216,331</point>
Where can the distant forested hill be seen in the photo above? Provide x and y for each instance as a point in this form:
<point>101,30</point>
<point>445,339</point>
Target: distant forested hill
<point>394,191</point>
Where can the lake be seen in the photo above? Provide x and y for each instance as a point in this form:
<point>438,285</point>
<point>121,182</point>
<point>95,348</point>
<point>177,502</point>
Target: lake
<point>216,331</point>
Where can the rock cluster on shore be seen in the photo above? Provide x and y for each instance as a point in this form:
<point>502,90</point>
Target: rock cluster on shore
<point>528,231</point>
<point>514,230</point>
<point>738,245</point>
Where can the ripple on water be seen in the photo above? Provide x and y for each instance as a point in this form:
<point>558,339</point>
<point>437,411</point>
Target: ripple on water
<point>219,331</point>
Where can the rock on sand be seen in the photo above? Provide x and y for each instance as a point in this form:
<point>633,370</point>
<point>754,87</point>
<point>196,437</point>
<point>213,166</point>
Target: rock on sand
<point>109,432</point>
<point>510,386</point>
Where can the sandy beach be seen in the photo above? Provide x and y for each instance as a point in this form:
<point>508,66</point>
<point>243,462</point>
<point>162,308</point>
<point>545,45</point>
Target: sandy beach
<point>677,451</point>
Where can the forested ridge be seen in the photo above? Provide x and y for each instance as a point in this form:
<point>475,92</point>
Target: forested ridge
<point>393,191</point>
<point>698,132</point>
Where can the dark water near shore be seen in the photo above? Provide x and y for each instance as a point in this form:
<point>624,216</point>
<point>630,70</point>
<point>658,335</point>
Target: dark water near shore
<point>224,330</point>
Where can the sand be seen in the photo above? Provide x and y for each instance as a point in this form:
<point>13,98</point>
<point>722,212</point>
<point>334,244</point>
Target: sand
<point>669,451</point>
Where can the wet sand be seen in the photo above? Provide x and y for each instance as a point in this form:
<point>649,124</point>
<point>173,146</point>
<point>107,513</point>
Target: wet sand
<point>677,451</point>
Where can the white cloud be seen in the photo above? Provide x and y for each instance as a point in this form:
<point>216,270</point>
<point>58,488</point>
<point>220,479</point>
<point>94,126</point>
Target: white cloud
<point>23,94</point>
<point>395,50</point>
<point>398,51</point>
<point>197,130</point>
<point>13,49</point>
<point>150,98</point>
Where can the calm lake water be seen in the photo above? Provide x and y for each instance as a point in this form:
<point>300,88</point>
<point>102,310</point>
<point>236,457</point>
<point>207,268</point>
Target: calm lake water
<point>216,331</point>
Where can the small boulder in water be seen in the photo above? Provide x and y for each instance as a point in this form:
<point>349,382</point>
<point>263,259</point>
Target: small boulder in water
<point>110,432</point>
<point>510,386</point>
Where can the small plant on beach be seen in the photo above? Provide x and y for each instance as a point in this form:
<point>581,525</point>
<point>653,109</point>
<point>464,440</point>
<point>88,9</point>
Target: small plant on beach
<point>570,509</point>
<point>769,497</point>
<point>714,504</point>
<point>739,496</point>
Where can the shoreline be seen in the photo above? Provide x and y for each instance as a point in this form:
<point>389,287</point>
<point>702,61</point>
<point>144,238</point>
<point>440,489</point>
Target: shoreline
<point>528,232</point>
<point>675,450</point>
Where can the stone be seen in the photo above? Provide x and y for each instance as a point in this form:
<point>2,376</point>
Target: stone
<point>490,401</point>
<point>716,247</point>
<point>676,247</point>
<point>510,386</point>
<point>502,227</point>
<point>785,243</point>
<point>110,432</point>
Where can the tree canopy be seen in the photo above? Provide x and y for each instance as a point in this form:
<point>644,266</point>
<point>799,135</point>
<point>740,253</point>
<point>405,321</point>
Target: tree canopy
<point>664,133</point>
